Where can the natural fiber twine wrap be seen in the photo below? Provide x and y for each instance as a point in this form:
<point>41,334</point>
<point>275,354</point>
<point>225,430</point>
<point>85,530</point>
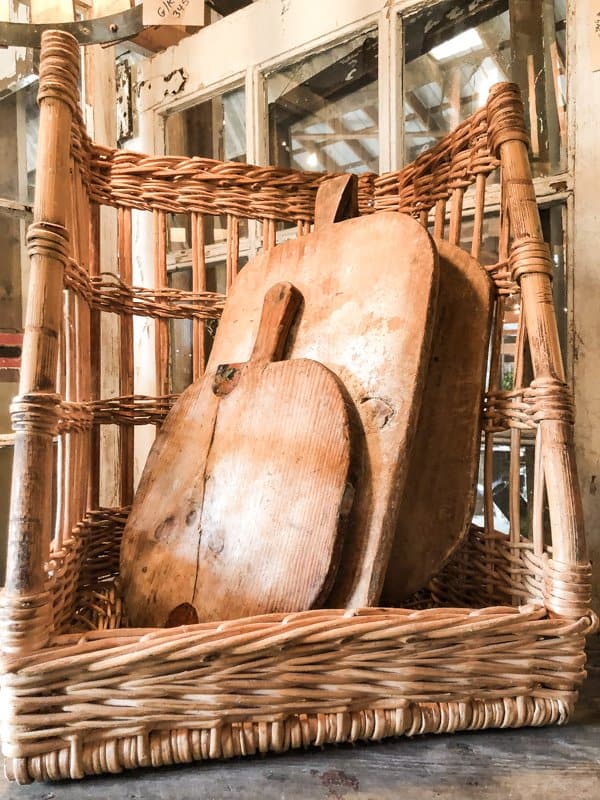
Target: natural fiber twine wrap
<point>496,640</point>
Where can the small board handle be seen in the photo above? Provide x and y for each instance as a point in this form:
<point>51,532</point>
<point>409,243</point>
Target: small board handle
<point>280,306</point>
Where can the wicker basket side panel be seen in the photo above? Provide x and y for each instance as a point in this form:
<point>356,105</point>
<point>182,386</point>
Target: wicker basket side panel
<point>537,410</point>
<point>404,671</point>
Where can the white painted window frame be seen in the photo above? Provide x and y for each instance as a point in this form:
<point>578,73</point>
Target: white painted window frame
<point>227,58</point>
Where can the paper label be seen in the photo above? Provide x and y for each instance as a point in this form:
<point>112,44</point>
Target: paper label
<point>173,12</point>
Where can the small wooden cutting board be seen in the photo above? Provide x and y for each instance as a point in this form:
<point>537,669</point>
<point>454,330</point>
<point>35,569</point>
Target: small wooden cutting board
<point>439,495</point>
<point>245,494</point>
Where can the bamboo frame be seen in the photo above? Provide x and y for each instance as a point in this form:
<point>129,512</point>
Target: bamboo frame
<point>498,635</point>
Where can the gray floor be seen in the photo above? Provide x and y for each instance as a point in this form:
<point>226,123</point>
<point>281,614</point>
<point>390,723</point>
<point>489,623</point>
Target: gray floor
<point>524,764</point>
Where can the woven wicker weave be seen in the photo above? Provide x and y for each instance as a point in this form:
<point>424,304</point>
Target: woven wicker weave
<point>496,640</point>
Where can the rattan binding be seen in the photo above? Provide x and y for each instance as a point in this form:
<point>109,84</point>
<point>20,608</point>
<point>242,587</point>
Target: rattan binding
<point>497,640</point>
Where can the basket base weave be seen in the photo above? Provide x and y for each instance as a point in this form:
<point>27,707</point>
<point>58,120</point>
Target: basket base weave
<point>161,748</point>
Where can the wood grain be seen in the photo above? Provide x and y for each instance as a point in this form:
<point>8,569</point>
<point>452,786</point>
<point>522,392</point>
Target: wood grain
<point>337,200</point>
<point>369,288</point>
<point>246,491</point>
<point>438,498</point>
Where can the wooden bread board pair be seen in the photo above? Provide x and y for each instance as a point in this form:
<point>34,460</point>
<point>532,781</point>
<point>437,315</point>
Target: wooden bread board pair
<point>370,313</point>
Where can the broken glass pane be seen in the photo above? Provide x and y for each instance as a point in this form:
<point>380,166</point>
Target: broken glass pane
<point>455,52</point>
<point>323,111</point>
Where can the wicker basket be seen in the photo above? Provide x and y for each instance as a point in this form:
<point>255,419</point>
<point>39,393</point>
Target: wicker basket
<point>496,641</point>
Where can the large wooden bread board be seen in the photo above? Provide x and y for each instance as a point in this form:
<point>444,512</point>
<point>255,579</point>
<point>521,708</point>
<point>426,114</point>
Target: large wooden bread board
<point>439,495</point>
<point>369,286</point>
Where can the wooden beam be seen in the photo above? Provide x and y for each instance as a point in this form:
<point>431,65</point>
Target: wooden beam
<point>422,71</point>
<point>423,113</point>
<point>327,138</point>
<point>532,70</point>
<point>52,11</point>
<point>102,8</point>
<point>159,38</point>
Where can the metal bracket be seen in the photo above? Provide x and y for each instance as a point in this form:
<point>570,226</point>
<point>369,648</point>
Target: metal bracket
<point>104,30</point>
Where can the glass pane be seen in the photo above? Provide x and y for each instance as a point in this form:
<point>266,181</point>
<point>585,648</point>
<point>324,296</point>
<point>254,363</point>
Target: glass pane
<point>455,53</point>
<point>19,117</point>
<point>179,232</point>
<point>508,348</point>
<point>181,330</point>
<point>11,313</point>
<point>490,237</point>
<point>553,226</point>
<point>9,387</point>
<point>501,486</point>
<point>323,111</point>
<point>6,456</point>
<point>216,129</point>
<point>180,337</point>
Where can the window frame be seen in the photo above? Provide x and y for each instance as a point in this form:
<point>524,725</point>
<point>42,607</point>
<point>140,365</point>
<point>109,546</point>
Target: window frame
<point>307,27</point>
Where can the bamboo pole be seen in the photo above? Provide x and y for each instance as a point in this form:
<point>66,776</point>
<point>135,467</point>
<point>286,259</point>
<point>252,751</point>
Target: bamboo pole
<point>269,233</point>
<point>35,411</point>
<point>233,250</point>
<point>95,360</point>
<point>439,219</point>
<point>126,364</point>
<point>532,267</point>
<point>456,216</point>
<point>479,215</point>
<point>198,285</point>
<point>161,328</point>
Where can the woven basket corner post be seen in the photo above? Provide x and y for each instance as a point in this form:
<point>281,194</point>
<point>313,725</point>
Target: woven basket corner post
<point>567,579</point>
<point>26,604</point>
<point>496,640</point>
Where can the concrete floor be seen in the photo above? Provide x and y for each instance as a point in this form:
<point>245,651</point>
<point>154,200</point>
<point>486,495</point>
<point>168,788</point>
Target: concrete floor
<point>525,764</point>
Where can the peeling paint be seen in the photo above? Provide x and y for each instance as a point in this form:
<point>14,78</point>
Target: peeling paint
<point>175,82</point>
<point>16,69</point>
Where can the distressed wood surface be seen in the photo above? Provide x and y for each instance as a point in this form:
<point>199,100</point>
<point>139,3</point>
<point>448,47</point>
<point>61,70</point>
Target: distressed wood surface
<point>30,517</point>
<point>369,288</point>
<point>337,200</point>
<point>245,494</point>
<point>438,498</point>
<point>51,11</point>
